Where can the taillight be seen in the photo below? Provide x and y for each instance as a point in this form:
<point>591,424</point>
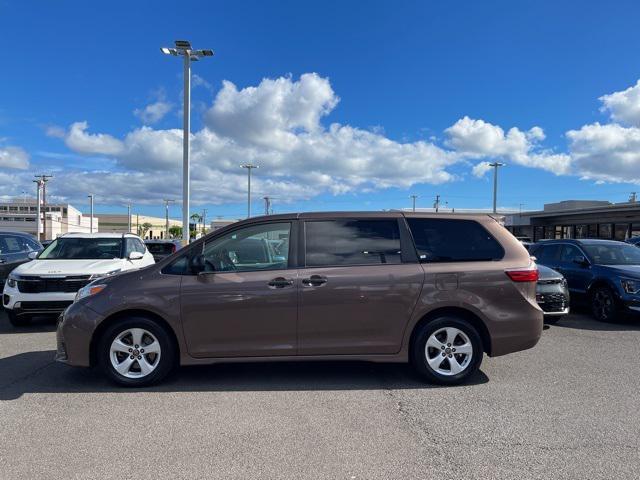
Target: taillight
<point>528,275</point>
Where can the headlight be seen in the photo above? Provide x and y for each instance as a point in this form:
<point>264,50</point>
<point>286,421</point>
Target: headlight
<point>102,275</point>
<point>630,286</point>
<point>89,290</point>
<point>12,281</point>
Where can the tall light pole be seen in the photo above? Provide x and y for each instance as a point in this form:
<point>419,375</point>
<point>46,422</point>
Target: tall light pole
<point>183,48</point>
<point>43,183</point>
<point>495,166</point>
<point>91,217</point>
<point>38,222</point>
<point>413,198</point>
<point>249,167</point>
<point>129,217</point>
<point>267,205</point>
<point>166,216</point>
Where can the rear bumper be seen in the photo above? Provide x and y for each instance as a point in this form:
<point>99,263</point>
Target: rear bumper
<point>517,333</point>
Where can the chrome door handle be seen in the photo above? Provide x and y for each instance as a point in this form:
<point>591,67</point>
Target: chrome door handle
<point>314,281</point>
<point>280,282</point>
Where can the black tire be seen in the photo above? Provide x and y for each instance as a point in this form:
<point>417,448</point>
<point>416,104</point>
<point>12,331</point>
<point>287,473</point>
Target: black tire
<point>165,362</point>
<point>604,305</point>
<point>419,352</point>
<point>18,320</point>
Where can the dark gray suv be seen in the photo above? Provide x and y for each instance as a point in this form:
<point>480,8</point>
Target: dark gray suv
<point>438,291</point>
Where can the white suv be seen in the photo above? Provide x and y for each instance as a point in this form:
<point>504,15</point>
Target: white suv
<point>48,284</point>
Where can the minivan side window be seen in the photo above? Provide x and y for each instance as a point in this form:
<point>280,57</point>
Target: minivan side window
<point>450,240</point>
<point>256,247</point>
<point>352,242</point>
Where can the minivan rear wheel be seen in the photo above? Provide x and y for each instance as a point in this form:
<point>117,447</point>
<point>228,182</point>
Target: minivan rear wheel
<point>136,352</point>
<point>447,351</point>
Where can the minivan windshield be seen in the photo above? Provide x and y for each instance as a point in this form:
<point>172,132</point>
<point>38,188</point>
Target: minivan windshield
<point>82,249</point>
<point>613,254</point>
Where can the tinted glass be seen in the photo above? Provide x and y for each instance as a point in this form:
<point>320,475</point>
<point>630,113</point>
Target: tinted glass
<point>82,248</point>
<point>11,244</point>
<point>614,254</point>
<point>446,240</point>
<point>352,242</point>
<point>258,247</point>
<point>161,248</point>
<point>569,252</point>
<point>548,253</point>
<point>134,245</point>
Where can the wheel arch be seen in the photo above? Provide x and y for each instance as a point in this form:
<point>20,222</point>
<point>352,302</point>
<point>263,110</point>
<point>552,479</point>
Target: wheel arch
<point>460,313</point>
<point>107,322</point>
<point>602,282</point>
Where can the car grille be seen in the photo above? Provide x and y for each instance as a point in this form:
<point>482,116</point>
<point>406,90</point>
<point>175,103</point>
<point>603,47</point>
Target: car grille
<point>552,302</point>
<point>43,306</point>
<point>69,284</point>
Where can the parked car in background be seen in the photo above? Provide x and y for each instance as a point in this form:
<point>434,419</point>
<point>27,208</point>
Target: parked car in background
<point>48,284</point>
<point>15,248</point>
<point>552,294</point>
<point>435,290</point>
<point>603,273</point>
<point>162,248</point>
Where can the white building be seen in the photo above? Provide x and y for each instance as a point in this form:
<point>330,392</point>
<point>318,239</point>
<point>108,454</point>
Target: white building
<point>57,219</point>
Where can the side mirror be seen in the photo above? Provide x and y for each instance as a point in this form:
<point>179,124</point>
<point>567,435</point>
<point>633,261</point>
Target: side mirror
<point>136,256</point>
<point>580,260</point>
<point>32,255</point>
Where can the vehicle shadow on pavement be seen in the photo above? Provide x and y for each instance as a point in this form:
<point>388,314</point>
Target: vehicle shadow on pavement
<point>37,324</point>
<point>582,320</point>
<point>36,372</point>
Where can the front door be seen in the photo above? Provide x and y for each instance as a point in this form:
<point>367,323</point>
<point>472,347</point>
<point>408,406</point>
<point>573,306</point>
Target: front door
<point>244,302</point>
<point>356,294</point>
<point>578,276</point>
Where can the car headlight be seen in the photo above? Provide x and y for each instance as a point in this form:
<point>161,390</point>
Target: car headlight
<point>107,274</point>
<point>89,290</point>
<point>630,286</point>
<point>12,281</point>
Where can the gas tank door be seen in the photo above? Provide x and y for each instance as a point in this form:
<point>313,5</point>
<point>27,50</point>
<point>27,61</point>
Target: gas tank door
<point>446,281</point>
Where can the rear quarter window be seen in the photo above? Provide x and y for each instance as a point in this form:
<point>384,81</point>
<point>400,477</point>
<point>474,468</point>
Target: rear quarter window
<point>448,240</point>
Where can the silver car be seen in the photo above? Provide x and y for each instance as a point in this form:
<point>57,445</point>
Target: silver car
<point>552,294</point>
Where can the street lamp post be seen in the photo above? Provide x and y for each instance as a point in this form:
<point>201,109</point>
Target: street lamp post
<point>91,217</point>
<point>413,198</point>
<point>166,216</point>
<point>495,166</point>
<point>38,221</point>
<point>249,167</point>
<point>129,217</point>
<point>183,48</point>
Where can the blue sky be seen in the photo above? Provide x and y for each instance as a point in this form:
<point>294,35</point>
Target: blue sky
<point>398,77</point>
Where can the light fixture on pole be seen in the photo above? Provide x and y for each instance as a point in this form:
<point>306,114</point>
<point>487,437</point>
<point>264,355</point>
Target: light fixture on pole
<point>495,166</point>
<point>249,167</point>
<point>91,217</point>
<point>166,216</point>
<point>183,49</point>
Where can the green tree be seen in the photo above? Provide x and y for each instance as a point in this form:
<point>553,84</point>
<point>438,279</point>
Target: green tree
<point>195,218</point>
<point>144,228</point>
<point>175,231</point>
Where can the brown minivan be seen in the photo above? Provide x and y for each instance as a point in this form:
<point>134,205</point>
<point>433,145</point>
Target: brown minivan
<point>436,290</point>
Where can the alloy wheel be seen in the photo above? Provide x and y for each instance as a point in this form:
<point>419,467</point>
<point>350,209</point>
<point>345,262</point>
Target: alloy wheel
<point>135,353</point>
<point>448,351</point>
<point>603,304</point>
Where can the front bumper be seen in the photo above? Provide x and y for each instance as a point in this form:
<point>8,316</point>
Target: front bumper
<point>35,303</point>
<point>74,333</point>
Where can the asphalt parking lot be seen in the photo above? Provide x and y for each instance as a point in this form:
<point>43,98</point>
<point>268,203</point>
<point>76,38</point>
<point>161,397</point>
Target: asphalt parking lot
<point>569,408</point>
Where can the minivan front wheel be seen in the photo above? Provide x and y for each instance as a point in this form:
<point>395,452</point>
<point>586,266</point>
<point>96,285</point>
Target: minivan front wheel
<point>447,350</point>
<point>136,352</point>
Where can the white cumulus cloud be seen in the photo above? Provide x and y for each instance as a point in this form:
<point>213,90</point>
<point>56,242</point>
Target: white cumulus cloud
<point>13,157</point>
<point>623,106</point>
